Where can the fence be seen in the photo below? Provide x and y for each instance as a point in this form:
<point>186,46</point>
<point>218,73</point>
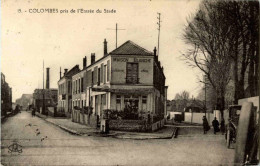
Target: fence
<point>82,118</point>
<point>194,117</point>
<point>135,125</point>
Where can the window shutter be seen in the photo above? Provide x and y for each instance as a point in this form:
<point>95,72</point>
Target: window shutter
<point>108,70</point>
<point>89,79</point>
<point>85,80</point>
<point>101,73</point>
<point>95,75</point>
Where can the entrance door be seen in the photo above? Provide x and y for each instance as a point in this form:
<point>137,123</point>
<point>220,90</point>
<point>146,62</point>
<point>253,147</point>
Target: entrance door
<point>132,103</point>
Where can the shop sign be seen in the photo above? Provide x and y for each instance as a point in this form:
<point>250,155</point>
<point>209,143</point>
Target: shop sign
<point>139,60</point>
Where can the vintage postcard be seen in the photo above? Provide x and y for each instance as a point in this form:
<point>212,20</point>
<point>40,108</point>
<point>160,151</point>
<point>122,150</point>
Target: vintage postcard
<point>150,82</point>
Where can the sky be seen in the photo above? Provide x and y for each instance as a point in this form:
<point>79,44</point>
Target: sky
<point>62,39</point>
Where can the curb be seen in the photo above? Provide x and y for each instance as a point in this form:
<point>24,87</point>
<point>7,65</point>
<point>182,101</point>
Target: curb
<point>60,126</point>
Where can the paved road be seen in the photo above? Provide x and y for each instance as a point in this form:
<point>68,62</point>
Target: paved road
<point>62,148</point>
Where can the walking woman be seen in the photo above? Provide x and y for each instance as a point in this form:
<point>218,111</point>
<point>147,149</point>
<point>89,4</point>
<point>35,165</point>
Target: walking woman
<point>205,124</point>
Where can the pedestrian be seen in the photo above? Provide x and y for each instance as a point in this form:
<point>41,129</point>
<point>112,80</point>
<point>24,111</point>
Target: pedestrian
<point>215,125</point>
<point>33,112</point>
<point>222,126</point>
<point>205,125</point>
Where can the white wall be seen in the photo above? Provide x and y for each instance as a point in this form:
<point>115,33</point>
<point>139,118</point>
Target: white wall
<point>197,117</point>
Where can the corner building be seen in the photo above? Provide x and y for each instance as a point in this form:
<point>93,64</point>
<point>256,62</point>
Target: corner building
<point>127,76</point>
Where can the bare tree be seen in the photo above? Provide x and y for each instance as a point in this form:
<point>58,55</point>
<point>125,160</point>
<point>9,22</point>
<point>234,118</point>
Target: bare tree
<point>242,17</point>
<point>206,34</point>
<point>181,100</point>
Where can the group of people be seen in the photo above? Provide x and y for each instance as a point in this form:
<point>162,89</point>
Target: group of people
<point>215,124</point>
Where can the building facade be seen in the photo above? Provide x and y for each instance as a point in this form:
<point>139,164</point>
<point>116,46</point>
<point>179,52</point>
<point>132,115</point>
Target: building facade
<point>6,96</point>
<point>45,98</point>
<point>129,76</point>
<point>65,90</point>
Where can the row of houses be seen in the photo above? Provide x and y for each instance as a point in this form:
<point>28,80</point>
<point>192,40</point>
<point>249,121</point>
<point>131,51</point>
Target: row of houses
<point>127,77</point>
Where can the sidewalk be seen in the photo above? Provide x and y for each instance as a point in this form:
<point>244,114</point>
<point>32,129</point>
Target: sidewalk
<point>83,130</point>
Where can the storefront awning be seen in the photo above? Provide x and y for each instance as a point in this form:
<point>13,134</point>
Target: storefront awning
<point>133,90</point>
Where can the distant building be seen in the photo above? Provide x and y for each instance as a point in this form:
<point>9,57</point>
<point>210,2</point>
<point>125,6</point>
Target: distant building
<point>65,90</point>
<point>6,96</point>
<point>129,76</point>
<point>50,98</point>
<point>43,98</point>
<point>25,100</point>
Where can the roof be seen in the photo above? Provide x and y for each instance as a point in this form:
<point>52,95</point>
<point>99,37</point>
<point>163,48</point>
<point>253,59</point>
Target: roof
<point>71,72</point>
<point>130,48</point>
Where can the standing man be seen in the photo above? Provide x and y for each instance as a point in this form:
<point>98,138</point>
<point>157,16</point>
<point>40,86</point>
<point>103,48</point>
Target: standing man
<point>215,124</point>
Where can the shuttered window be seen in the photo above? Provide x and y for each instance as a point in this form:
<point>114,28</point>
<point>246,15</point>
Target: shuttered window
<point>95,75</point>
<point>105,73</point>
<point>108,70</point>
<point>132,73</point>
<point>89,78</point>
<point>82,87</point>
<point>101,73</point>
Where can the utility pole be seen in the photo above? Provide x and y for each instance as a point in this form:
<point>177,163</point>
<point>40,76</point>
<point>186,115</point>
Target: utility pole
<point>116,32</point>
<point>159,28</point>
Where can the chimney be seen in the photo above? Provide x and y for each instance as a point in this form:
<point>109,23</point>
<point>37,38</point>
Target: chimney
<point>84,62</point>
<point>60,72</point>
<point>47,78</point>
<point>154,51</point>
<point>92,58</point>
<point>105,47</point>
<point>65,71</point>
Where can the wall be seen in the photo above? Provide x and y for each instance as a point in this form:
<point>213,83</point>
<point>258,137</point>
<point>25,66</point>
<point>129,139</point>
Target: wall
<point>197,117</point>
<point>82,118</point>
<point>145,68</point>
<point>172,114</point>
<point>127,125</point>
<point>135,125</point>
<point>254,100</point>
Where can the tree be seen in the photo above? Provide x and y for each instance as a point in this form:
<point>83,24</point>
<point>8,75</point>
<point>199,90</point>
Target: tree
<point>243,17</point>
<point>184,95</point>
<point>182,100</point>
<point>206,34</point>
<point>224,39</point>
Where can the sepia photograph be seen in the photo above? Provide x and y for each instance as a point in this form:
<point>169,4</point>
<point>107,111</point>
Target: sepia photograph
<point>120,83</point>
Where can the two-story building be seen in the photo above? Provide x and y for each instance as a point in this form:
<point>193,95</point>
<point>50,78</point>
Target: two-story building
<point>129,76</point>
<point>65,90</point>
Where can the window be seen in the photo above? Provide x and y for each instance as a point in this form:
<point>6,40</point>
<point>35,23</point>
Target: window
<point>103,99</point>
<point>99,75</point>
<point>144,103</point>
<point>131,102</point>
<point>108,70</point>
<point>68,86</point>
<point>118,102</point>
<point>82,88</point>
<point>105,72</point>
<point>78,85</point>
<point>76,88</point>
<point>132,73</point>
<point>92,77</point>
